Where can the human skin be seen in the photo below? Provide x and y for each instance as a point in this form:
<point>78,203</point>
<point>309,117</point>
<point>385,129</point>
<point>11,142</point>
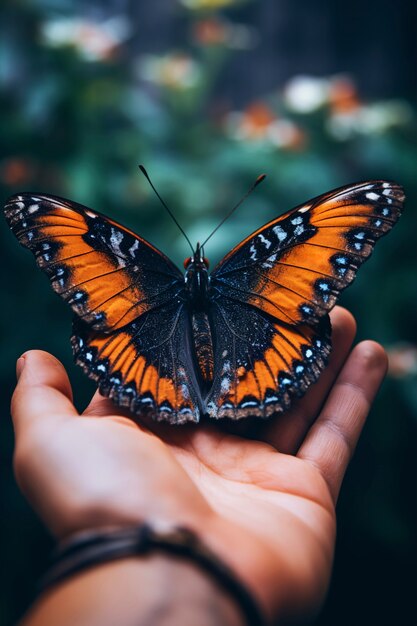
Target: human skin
<point>261,495</point>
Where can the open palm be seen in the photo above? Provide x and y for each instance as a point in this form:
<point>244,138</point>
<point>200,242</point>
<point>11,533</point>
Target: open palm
<point>260,494</point>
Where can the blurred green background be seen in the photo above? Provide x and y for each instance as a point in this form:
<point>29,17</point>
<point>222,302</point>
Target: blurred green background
<point>208,94</point>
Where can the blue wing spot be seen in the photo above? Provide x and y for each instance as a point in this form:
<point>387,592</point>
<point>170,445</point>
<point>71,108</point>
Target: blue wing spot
<point>323,289</point>
<point>299,369</point>
<point>357,237</point>
<point>308,353</point>
<point>130,390</point>
<point>78,298</point>
<point>247,402</point>
<point>165,406</point>
<point>307,312</point>
<point>271,396</point>
<point>285,380</point>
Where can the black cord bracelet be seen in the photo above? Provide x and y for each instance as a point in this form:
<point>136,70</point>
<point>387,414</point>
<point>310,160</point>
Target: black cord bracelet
<point>95,547</point>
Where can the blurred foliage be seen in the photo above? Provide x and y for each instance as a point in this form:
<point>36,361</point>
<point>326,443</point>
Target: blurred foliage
<point>78,112</point>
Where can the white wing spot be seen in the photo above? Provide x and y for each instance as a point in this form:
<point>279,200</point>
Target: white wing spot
<point>270,399</point>
<point>133,248</point>
<point>280,233</point>
<point>248,403</point>
<point>225,384</point>
<point>372,195</point>
<point>265,241</point>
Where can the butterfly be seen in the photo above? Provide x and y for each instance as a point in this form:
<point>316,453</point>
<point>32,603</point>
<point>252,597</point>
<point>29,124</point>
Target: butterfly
<point>241,341</point>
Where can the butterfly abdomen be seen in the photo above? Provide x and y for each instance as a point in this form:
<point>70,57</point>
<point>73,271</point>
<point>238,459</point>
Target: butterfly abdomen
<point>203,346</point>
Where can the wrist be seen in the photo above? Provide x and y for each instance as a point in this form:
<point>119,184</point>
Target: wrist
<point>159,589</point>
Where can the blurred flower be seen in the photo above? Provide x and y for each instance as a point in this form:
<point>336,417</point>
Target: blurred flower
<point>369,119</point>
<point>402,360</point>
<point>204,5</point>
<point>210,32</point>
<point>95,41</point>
<point>342,95</point>
<point>285,134</point>
<point>304,94</point>
<point>348,116</point>
<point>252,123</point>
<point>15,171</point>
<point>174,71</point>
<point>216,32</point>
<point>259,123</point>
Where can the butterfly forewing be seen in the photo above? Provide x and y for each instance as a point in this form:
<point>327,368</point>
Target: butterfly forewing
<point>105,272</point>
<point>295,267</point>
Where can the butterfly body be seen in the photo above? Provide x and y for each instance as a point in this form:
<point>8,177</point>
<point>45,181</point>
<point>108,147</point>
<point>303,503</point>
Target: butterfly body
<point>197,281</point>
<point>243,340</point>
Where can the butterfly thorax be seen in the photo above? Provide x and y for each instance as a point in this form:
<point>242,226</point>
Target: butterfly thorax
<point>197,281</point>
<point>197,285</point>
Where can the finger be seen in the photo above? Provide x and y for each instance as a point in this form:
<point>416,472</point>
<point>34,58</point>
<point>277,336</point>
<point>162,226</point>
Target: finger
<point>43,392</point>
<point>288,431</point>
<point>331,441</point>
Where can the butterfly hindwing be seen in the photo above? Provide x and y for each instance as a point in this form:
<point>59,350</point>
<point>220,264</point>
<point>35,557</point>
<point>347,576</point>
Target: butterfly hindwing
<point>144,366</point>
<point>107,274</point>
<point>261,365</point>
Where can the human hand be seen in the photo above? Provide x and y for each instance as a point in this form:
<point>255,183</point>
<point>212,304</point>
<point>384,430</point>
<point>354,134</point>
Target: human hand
<point>266,506</point>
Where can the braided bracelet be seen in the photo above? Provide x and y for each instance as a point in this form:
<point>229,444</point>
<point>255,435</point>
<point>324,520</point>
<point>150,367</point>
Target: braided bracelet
<point>94,547</point>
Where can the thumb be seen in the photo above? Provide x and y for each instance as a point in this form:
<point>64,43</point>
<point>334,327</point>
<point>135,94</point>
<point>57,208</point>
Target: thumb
<point>43,392</point>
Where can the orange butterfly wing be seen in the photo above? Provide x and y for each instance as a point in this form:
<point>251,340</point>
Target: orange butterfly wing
<point>104,271</point>
<point>274,290</point>
<point>260,365</point>
<point>145,366</point>
<point>295,267</point>
<point>130,327</point>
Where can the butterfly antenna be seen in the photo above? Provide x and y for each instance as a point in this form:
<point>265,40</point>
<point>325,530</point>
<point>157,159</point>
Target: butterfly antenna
<point>145,173</point>
<point>255,184</point>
